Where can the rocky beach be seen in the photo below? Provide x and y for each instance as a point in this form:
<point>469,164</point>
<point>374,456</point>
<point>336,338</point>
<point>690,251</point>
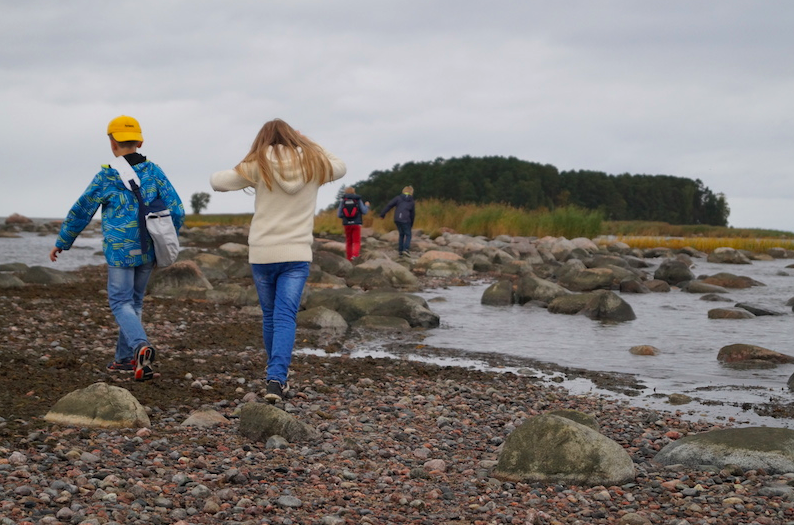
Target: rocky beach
<point>397,441</point>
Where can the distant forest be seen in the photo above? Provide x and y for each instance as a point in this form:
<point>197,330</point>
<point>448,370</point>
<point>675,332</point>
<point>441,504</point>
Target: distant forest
<point>529,185</point>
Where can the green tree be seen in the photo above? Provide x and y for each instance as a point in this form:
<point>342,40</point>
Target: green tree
<point>199,201</point>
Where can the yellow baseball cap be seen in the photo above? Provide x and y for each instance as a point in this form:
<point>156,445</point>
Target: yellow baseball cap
<point>124,129</point>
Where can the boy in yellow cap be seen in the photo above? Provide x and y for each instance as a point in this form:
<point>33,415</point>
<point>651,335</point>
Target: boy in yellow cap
<point>124,189</point>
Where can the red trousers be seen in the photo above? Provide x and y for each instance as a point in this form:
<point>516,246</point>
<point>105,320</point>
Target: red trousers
<point>352,240</point>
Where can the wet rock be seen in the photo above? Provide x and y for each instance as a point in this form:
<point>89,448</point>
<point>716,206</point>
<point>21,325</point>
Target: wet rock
<point>729,280</point>
<point>644,350</point>
<point>633,286</point>
<point>679,399</point>
<point>499,293</point>
<point>657,286</point>
<point>713,297</point>
<point>758,310</point>
<point>730,313</point>
<point>533,288</point>
<point>673,271</point>
<point>570,304</point>
<point>381,323</point>
<point>697,286</point>
<point>744,352</point>
<point>605,305</point>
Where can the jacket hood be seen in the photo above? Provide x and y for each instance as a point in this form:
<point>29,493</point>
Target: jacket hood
<point>288,175</point>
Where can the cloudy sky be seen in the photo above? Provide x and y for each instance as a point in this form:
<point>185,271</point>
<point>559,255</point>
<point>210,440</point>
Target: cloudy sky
<point>692,89</point>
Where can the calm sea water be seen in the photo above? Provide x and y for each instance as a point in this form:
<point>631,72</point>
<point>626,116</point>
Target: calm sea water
<point>33,249</point>
<point>677,323</point>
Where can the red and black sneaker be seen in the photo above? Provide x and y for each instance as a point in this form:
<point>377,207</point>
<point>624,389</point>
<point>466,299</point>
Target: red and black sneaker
<point>115,366</point>
<point>143,363</point>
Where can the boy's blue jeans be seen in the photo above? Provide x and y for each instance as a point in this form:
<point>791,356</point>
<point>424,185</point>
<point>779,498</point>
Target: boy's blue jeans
<point>126,288</point>
<point>279,286</point>
<point>404,242</point>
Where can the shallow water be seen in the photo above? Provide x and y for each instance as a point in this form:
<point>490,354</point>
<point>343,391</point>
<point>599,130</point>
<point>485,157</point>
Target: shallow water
<point>33,249</point>
<point>674,322</point>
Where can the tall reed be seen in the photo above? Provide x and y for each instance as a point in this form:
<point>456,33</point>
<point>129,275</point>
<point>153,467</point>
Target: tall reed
<point>490,220</point>
<point>708,244</point>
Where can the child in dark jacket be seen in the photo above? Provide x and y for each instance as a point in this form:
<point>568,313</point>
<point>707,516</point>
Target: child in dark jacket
<point>404,214</point>
<point>351,209</point>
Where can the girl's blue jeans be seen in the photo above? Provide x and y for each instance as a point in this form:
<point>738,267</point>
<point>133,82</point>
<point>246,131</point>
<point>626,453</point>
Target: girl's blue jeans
<point>126,288</point>
<point>279,286</point>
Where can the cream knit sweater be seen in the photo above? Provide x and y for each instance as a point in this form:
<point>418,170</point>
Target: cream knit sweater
<point>281,229</point>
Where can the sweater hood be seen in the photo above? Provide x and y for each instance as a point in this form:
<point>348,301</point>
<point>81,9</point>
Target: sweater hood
<point>289,174</point>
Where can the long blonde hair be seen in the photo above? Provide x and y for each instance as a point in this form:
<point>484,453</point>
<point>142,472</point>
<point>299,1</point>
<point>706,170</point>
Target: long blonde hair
<point>297,149</point>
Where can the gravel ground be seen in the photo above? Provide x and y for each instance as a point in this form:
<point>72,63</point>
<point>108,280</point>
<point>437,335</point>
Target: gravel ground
<point>401,441</point>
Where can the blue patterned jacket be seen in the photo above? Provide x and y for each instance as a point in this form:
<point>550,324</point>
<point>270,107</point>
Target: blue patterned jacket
<point>121,243</point>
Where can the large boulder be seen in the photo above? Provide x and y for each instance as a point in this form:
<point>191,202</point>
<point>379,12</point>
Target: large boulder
<point>9,280</point>
<point>259,421</point>
<point>16,218</point>
<point>590,279</point>
<point>727,255</point>
<point>382,273</point>
<point>673,271</point>
<point>410,307</point>
<point>698,286</point>
<point>751,448</point>
<point>44,275</point>
<point>232,293</point>
<point>533,288</point>
<point>99,405</point>
<point>499,293</point>
<point>570,304</point>
<point>181,279</point>
<point>332,263</point>
<point>729,280</point>
<point>321,318</point>
<point>758,310</point>
<point>554,449</point>
<point>744,352</point>
<point>730,313</point>
<point>605,305</point>
<point>437,263</point>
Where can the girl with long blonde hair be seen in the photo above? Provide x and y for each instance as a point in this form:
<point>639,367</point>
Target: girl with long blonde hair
<point>285,169</point>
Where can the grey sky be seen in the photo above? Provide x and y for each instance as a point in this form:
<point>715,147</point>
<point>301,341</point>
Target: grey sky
<point>692,89</point>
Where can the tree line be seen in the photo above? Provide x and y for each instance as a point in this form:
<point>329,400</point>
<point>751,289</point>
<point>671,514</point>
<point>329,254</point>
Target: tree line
<point>530,185</point>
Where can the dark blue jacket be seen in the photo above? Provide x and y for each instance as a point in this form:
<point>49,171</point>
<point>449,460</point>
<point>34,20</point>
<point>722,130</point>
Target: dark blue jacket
<point>361,209</point>
<point>404,210</point>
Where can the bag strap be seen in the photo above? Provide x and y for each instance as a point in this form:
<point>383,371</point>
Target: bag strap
<point>133,183</point>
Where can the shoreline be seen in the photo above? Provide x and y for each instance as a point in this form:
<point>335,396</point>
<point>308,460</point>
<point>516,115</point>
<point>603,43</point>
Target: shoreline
<point>401,441</point>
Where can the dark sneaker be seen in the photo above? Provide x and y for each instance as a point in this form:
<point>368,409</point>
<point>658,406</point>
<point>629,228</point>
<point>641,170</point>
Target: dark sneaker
<point>129,366</point>
<point>275,391</point>
<point>143,363</point>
